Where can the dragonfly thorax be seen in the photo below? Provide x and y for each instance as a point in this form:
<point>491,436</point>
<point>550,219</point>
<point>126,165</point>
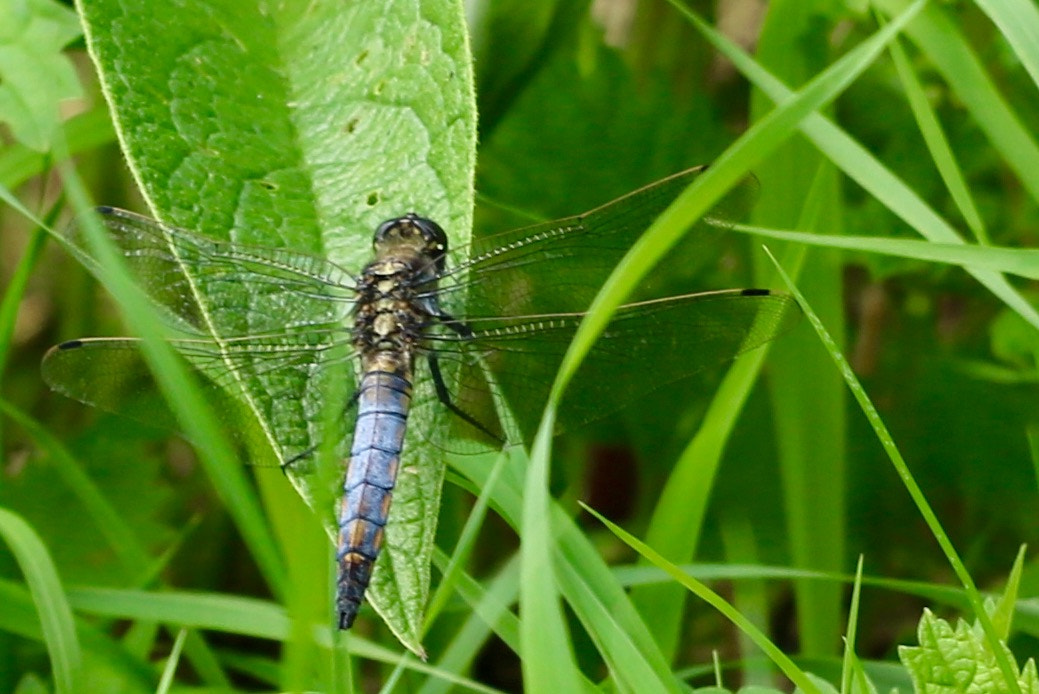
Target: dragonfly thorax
<point>389,316</point>
<point>394,293</point>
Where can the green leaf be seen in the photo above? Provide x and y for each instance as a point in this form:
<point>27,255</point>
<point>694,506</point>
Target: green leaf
<point>959,660</point>
<point>35,76</point>
<point>303,125</point>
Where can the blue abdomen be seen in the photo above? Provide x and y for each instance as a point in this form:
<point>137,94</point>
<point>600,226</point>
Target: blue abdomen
<point>382,416</point>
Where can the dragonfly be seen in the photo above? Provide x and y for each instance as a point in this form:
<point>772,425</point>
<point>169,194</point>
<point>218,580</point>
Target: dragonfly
<point>478,326</point>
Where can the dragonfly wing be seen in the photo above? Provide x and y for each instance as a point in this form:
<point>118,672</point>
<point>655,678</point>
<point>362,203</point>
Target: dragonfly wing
<point>268,391</point>
<point>647,346</point>
<point>213,287</point>
<point>559,266</point>
<point>108,374</point>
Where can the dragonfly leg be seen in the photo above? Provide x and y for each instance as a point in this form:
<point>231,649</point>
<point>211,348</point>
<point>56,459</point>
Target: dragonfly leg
<point>453,324</point>
<point>445,397</point>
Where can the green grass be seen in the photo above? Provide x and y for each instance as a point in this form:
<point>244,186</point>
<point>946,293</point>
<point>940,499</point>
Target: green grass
<point>882,141</point>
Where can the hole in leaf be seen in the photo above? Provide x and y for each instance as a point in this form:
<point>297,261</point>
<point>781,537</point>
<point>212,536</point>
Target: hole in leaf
<point>351,125</point>
<point>361,57</point>
<point>373,198</point>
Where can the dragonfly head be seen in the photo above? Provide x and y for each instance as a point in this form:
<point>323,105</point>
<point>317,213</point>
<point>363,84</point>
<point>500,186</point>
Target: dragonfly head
<point>412,234</point>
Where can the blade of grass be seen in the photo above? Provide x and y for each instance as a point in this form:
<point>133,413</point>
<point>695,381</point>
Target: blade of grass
<point>141,639</point>
<point>19,617</point>
<point>490,614</point>
<point>204,662</point>
<point>224,613</point>
<point>538,591</point>
<point>169,670</point>
<point>947,49</point>
<point>810,422</point>
<point>847,666</point>
<point>307,559</point>
<point>180,390</point>
<point>784,663</point>
<point>548,659</point>
<point>233,615</point>
<point>586,582</point>
<point>1018,22</point>
<point>52,606</point>
<point>937,143</point>
<point>466,542</point>
<point>1003,614</point>
<point>749,597</point>
<point>808,413</point>
<point>888,443</point>
<point>1023,262</point>
<point>215,612</point>
<point>862,167</point>
<point>121,539</point>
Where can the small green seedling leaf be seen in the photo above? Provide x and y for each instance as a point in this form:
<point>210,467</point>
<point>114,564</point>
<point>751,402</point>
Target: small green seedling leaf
<point>959,660</point>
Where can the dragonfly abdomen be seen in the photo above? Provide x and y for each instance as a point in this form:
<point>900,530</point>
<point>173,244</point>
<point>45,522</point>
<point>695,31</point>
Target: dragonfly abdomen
<point>382,415</point>
<point>389,320</point>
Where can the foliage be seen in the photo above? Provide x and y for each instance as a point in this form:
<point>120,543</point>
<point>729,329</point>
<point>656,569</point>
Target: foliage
<point>36,75</point>
<point>958,660</point>
<point>136,560</point>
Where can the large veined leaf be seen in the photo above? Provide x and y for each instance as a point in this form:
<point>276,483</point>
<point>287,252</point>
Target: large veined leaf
<point>301,125</point>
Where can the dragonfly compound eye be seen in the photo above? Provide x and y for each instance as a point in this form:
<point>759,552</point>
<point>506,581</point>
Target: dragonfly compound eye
<point>410,225</point>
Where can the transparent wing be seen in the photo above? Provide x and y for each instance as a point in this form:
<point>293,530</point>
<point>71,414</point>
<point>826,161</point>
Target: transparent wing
<point>265,388</point>
<point>559,266</point>
<point>646,347</point>
<point>222,289</point>
<point>269,321</point>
